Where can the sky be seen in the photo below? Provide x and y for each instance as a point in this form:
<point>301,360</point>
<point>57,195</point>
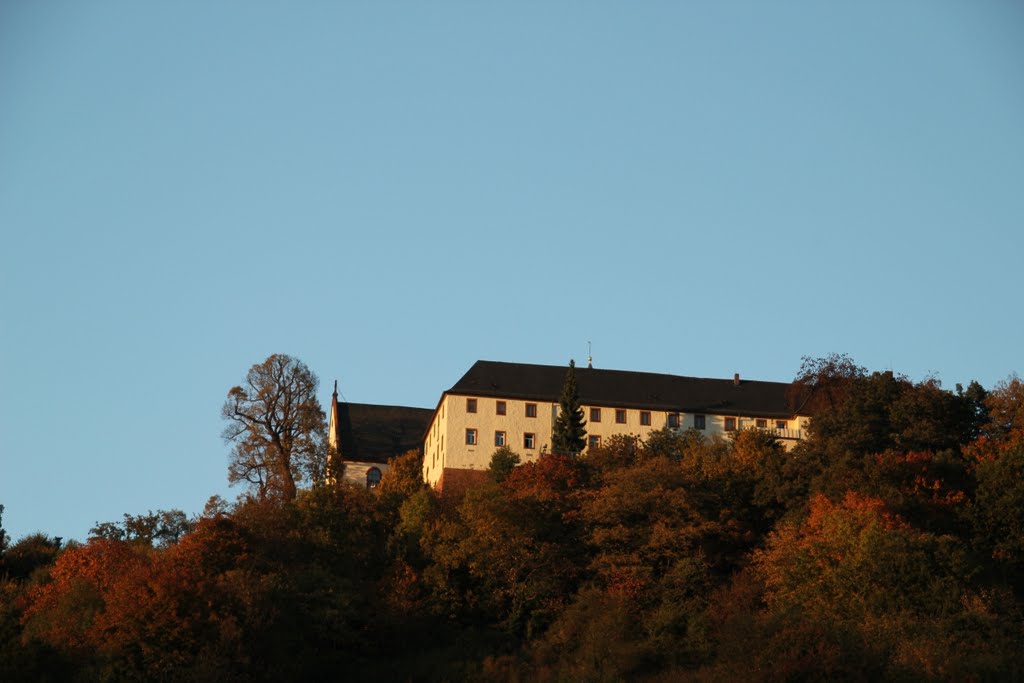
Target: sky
<point>389,191</point>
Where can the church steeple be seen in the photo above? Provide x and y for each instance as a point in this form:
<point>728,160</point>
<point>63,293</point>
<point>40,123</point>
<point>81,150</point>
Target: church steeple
<point>332,433</point>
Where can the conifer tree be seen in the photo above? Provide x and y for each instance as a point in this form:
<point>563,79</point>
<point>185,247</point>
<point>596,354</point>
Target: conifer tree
<point>569,435</point>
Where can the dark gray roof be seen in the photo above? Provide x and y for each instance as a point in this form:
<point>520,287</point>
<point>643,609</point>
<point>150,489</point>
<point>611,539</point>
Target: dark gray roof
<point>626,389</point>
<point>372,433</point>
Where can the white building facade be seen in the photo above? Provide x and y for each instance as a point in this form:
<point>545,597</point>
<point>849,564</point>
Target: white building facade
<point>515,405</point>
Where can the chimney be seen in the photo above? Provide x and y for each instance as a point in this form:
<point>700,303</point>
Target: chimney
<point>736,380</point>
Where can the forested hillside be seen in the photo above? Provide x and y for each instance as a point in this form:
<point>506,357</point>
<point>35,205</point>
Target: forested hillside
<point>887,546</point>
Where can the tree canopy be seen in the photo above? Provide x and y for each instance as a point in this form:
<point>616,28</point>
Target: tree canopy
<point>277,427</point>
<point>886,546</point>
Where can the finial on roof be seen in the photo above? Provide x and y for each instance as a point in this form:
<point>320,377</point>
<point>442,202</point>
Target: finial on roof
<point>335,388</point>
<point>590,356</point>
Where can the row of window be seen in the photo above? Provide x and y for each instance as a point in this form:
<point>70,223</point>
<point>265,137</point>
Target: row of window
<point>529,439</point>
<point>620,416</point>
<point>501,407</point>
<point>674,419</point>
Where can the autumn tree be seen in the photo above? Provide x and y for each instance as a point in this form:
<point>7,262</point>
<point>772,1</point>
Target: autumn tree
<point>857,574</point>
<point>402,481</point>
<point>821,383</point>
<point>404,476</point>
<point>614,453</point>
<point>501,560</point>
<point>569,435</point>
<point>277,427</point>
<point>155,529</point>
<point>1004,408</point>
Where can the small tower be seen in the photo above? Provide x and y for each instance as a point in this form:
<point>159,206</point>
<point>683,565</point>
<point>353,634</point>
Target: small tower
<point>333,454</point>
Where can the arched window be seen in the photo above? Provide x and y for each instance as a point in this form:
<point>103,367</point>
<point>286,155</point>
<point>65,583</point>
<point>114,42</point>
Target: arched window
<point>372,478</point>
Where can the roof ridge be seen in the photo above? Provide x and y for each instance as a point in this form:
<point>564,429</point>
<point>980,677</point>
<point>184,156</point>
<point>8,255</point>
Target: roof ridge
<point>382,405</point>
<point>628,372</point>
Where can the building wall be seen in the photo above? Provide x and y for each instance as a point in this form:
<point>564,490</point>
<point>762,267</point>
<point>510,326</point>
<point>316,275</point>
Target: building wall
<point>435,443</point>
<point>446,445</point>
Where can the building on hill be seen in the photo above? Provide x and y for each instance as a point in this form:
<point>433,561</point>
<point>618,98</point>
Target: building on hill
<point>515,404</point>
<point>366,436</point>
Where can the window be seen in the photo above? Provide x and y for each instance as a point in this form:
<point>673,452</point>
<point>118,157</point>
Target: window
<point>595,414</point>
<point>373,478</point>
<point>645,418</point>
<point>531,410</point>
<point>780,424</point>
<point>529,440</point>
<point>762,424</point>
<point>673,420</point>
<point>499,407</point>
<point>620,416</point>
<point>470,405</point>
<point>594,441</point>
<point>730,424</point>
<point>499,438</point>
<point>699,421</point>
<point>471,437</point>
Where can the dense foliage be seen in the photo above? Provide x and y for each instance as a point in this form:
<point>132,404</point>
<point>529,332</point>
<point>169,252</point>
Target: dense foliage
<point>886,546</point>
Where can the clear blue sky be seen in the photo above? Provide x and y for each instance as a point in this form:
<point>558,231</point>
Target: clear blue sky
<point>392,190</point>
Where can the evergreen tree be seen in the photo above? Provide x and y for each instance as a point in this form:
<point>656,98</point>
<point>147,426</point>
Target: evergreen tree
<point>503,462</point>
<point>569,435</point>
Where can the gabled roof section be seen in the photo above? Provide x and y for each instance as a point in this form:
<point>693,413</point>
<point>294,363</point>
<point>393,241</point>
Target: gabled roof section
<point>373,433</point>
<point>626,389</point>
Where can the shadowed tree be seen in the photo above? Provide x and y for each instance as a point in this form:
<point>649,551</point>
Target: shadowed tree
<point>277,427</point>
<point>1004,410</point>
<point>155,529</point>
<point>569,434</point>
<point>503,462</point>
<point>821,383</point>
<point>30,553</point>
